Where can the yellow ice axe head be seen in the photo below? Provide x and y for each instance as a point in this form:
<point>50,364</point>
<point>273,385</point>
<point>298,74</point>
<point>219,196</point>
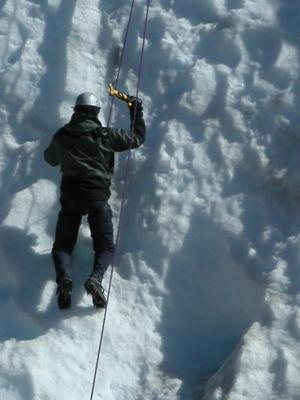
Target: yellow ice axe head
<point>120,95</point>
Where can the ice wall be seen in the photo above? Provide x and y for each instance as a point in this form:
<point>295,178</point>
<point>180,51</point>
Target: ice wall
<point>205,300</point>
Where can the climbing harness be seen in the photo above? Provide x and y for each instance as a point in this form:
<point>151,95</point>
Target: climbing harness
<point>124,97</point>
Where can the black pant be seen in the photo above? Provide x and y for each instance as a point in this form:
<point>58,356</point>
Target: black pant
<point>68,224</point>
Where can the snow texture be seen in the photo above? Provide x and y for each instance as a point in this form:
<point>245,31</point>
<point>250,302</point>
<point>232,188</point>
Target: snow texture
<point>205,300</point>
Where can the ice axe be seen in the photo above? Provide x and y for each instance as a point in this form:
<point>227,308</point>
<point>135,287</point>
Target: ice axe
<point>120,95</point>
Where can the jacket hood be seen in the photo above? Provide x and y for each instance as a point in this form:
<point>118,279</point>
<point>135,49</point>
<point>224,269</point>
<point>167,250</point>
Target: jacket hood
<point>82,123</point>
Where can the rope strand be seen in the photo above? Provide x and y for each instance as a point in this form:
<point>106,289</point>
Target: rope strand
<point>126,178</point>
<point>108,123</point>
<point>121,60</point>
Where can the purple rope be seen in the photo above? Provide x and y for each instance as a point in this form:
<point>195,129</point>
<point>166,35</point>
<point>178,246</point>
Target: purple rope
<point>108,123</point>
<point>126,177</point>
<point>120,62</point>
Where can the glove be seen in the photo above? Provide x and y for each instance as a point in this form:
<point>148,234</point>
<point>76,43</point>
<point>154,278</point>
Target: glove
<point>139,107</point>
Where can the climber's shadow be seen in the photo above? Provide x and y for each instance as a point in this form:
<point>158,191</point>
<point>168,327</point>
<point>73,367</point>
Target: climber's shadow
<point>27,289</point>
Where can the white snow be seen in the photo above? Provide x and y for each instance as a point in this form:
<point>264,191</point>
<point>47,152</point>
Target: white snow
<point>205,301</point>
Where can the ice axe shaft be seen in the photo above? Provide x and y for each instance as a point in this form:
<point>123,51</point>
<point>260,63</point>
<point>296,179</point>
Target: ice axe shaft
<point>120,95</point>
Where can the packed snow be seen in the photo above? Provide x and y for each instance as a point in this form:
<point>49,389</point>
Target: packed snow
<point>205,301</point>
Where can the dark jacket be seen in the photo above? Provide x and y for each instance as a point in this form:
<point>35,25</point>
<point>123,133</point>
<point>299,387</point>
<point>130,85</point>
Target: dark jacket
<point>85,152</point>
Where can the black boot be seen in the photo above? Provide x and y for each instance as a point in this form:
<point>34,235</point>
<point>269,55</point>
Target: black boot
<point>95,289</point>
<point>64,291</point>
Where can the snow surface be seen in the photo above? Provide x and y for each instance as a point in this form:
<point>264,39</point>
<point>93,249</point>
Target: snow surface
<point>206,295</point>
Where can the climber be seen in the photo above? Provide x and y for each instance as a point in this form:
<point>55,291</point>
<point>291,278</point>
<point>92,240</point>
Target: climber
<point>84,150</point>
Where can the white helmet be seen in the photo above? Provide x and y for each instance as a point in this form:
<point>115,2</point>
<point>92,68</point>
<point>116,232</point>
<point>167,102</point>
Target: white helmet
<point>88,99</point>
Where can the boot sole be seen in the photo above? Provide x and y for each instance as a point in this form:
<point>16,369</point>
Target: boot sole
<point>99,300</point>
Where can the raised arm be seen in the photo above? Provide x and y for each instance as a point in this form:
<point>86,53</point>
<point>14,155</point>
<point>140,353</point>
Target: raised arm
<point>121,140</point>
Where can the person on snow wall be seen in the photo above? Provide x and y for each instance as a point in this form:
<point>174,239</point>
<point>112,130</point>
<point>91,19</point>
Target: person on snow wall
<point>84,150</point>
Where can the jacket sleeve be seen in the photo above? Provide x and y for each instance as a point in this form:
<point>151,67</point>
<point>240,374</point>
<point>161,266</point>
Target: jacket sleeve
<point>50,154</point>
<point>121,140</point>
